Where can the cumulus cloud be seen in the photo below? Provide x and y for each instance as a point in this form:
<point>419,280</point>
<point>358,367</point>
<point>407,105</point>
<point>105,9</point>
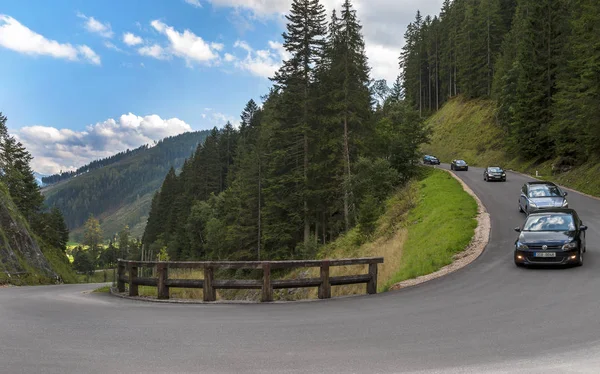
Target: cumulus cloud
<point>131,39</point>
<point>195,3</point>
<point>65,149</point>
<point>155,51</point>
<point>384,23</point>
<point>19,38</point>
<point>262,62</point>
<point>187,45</point>
<point>94,26</point>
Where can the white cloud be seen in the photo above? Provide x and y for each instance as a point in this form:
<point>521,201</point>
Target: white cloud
<point>131,39</point>
<point>187,45</point>
<point>97,27</point>
<point>110,45</point>
<point>384,23</point>
<point>155,51</point>
<point>263,62</point>
<point>19,38</point>
<point>89,54</point>
<point>195,3</point>
<point>229,57</point>
<point>65,149</point>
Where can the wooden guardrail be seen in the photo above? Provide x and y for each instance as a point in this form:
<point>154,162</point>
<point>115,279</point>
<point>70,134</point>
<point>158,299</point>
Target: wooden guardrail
<point>209,284</point>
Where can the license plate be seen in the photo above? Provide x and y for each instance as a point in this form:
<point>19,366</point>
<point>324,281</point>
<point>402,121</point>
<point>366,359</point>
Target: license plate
<point>545,254</point>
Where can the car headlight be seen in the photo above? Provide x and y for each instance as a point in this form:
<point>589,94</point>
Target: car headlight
<point>532,204</point>
<point>565,203</point>
<point>569,246</point>
<point>504,174</point>
<point>522,247</point>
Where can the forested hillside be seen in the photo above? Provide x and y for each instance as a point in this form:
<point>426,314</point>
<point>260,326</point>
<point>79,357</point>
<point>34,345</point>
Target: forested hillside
<point>538,60</point>
<point>33,238</point>
<point>120,192</point>
<point>96,164</point>
<point>319,157</point>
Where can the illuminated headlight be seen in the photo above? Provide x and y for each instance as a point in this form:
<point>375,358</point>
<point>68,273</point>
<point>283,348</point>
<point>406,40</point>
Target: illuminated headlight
<point>569,246</point>
<point>504,174</point>
<point>565,204</point>
<point>522,247</point>
<point>532,204</point>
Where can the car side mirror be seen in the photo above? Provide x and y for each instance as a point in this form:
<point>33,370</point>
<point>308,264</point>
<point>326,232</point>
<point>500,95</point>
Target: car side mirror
<point>565,193</point>
<point>583,227</point>
<point>517,229</point>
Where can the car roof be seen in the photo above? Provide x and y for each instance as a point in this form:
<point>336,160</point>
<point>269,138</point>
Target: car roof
<point>494,167</point>
<point>553,210</point>
<point>540,183</point>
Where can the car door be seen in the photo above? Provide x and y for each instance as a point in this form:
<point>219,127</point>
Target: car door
<point>523,198</point>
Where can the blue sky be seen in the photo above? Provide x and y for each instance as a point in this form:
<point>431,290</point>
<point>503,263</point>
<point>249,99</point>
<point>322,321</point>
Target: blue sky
<point>85,79</point>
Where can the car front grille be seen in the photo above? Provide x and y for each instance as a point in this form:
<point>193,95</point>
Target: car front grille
<point>538,247</point>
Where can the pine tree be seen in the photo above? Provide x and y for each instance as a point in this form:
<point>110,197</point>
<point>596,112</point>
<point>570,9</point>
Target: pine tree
<point>304,41</point>
<point>351,100</point>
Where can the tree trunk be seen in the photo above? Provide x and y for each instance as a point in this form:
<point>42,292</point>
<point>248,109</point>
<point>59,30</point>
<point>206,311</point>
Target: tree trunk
<point>347,171</point>
<point>259,210</point>
<point>306,222</point>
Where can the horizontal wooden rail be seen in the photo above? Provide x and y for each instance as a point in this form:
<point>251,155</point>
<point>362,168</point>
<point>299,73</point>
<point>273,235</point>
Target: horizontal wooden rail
<point>128,273</point>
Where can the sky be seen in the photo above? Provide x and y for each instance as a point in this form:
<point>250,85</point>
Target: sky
<point>83,80</point>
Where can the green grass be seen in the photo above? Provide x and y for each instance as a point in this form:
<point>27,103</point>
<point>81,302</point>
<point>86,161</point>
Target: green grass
<point>441,225</point>
<point>469,130</point>
<point>104,289</point>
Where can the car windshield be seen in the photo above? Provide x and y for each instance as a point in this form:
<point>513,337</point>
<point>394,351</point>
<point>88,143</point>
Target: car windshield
<point>495,169</point>
<point>544,190</point>
<point>549,222</point>
<point>460,162</point>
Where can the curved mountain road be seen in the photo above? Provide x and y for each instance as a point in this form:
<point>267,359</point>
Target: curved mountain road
<point>487,317</point>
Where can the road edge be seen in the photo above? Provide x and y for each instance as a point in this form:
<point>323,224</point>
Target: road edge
<point>473,250</point>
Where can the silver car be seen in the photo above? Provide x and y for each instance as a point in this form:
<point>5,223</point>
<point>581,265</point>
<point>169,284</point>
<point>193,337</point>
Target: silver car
<point>537,196</point>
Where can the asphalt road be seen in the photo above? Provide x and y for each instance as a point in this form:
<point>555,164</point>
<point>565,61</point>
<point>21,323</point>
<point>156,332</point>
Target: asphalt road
<point>488,317</point>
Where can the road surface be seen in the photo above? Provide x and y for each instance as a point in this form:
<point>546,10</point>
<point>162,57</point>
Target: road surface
<point>488,317</point>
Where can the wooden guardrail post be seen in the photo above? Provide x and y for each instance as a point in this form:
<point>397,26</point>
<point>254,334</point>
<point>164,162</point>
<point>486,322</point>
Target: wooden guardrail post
<point>372,285</point>
<point>325,287</point>
<point>133,273</point>
<point>267,287</point>
<point>120,275</point>
<point>209,292</point>
<point>162,271</point>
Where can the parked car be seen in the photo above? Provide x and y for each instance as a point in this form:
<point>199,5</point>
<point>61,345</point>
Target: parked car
<point>431,160</point>
<point>494,173</point>
<point>541,195</point>
<point>459,165</point>
<point>555,236</point>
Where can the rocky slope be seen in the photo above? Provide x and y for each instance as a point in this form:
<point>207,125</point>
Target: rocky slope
<point>21,258</point>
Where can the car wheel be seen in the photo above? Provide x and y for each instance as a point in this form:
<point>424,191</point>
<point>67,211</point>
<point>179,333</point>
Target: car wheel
<point>520,209</point>
<point>467,168</point>
<point>580,259</point>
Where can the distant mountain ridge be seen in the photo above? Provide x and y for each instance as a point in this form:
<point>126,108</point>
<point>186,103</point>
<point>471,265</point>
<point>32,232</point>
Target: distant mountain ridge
<point>96,164</point>
<point>119,190</point>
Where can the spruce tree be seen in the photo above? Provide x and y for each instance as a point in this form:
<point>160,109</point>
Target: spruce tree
<point>304,41</point>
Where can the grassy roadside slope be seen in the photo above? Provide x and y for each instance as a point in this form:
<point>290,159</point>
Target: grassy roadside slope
<point>469,130</point>
<point>425,224</point>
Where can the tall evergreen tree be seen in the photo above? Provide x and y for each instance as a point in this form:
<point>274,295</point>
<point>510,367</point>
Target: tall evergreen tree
<point>304,41</point>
